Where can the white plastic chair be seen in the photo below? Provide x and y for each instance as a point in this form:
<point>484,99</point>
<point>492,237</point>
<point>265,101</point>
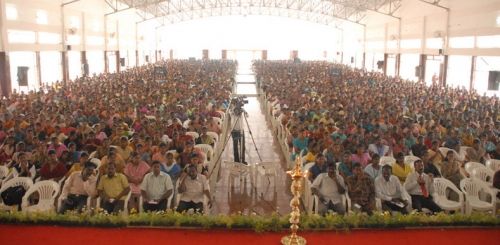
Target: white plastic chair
<point>405,196</point>
<point>193,134</point>
<point>207,149</point>
<point>4,171</point>
<point>26,182</point>
<point>96,161</point>
<point>344,199</point>
<point>47,193</point>
<point>125,206</point>
<point>266,169</point>
<point>386,160</point>
<point>493,164</point>
<point>240,171</point>
<point>441,198</point>
<point>186,123</point>
<point>178,197</point>
<point>470,166</point>
<point>411,159</point>
<point>218,121</point>
<point>471,187</point>
<point>483,174</point>
<point>444,151</point>
<point>214,136</point>
<point>169,201</point>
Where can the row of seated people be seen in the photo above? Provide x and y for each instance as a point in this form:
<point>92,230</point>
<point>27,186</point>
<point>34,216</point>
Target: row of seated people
<point>46,135</point>
<point>379,180</point>
<point>354,116</point>
<point>155,188</point>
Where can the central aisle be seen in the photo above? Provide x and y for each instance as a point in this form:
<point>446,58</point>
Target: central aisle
<point>267,195</point>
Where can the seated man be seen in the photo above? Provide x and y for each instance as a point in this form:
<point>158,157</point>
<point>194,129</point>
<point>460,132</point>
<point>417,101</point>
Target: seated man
<point>113,189</point>
<point>115,159</point>
<point>374,169</point>
<point>318,167</point>
<point>79,186</point>
<point>329,187</point>
<point>379,148</point>
<point>156,188</point>
<point>361,190</point>
<point>192,187</point>
<point>419,186</point>
<point>389,190</point>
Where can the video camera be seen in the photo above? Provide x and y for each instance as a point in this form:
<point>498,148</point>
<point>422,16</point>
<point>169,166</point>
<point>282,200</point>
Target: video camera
<point>239,102</point>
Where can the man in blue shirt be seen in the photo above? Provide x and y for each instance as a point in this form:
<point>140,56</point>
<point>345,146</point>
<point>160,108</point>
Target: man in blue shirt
<point>318,167</point>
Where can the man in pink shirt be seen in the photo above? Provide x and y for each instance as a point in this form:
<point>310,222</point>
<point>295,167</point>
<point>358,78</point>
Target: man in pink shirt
<point>135,171</point>
<point>78,187</point>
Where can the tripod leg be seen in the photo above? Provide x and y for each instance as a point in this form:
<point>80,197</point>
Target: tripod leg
<point>236,139</point>
<point>243,146</point>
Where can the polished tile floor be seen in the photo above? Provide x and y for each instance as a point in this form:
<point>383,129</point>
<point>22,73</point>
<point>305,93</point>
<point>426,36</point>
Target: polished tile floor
<point>266,195</point>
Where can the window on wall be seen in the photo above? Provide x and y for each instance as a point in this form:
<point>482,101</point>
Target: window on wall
<point>18,36</point>
<point>74,64</point>
<point>485,65</point>
<point>49,38</point>
<point>462,42</point>
<point>410,43</point>
<point>434,43</point>
<point>10,11</point>
<point>96,26</point>
<point>408,65</point>
<point>459,68</point>
<point>95,59</point>
<point>375,45</point>
<point>488,41</point>
<point>42,17</point>
<point>391,65</point>
<point>51,69</point>
<point>95,40</point>
<point>74,22</point>
<point>393,44</point>
<point>73,40</point>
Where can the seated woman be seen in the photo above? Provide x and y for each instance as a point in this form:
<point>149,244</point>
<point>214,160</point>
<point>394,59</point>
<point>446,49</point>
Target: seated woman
<point>400,169</point>
<point>53,169</point>
<point>451,169</point>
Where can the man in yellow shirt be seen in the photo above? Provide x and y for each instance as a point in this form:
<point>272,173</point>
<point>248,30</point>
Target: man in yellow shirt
<point>113,189</point>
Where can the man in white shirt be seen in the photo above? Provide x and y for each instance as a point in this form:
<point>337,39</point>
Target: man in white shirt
<point>389,190</point>
<point>379,148</point>
<point>78,188</point>
<point>329,187</point>
<point>420,187</point>
<point>374,169</point>
<point>192,188</point>
<point>156,188</point>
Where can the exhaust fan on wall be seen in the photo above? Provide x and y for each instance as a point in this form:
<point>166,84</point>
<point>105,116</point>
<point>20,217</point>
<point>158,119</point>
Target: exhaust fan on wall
<point>72,31</point>
<point>438,34</point>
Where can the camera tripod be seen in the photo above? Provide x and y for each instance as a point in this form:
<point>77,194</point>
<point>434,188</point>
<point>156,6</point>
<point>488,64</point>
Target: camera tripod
<point>241,148</point>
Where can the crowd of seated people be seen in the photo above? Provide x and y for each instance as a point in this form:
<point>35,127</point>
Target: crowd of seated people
<point>110,134</point>
<point>334,114</point>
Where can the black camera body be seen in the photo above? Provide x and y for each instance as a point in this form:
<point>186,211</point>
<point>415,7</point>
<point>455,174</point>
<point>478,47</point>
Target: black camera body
<point>239,102</point>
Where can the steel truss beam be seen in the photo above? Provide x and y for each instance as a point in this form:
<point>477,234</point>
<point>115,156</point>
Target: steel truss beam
<point>319,11</point>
